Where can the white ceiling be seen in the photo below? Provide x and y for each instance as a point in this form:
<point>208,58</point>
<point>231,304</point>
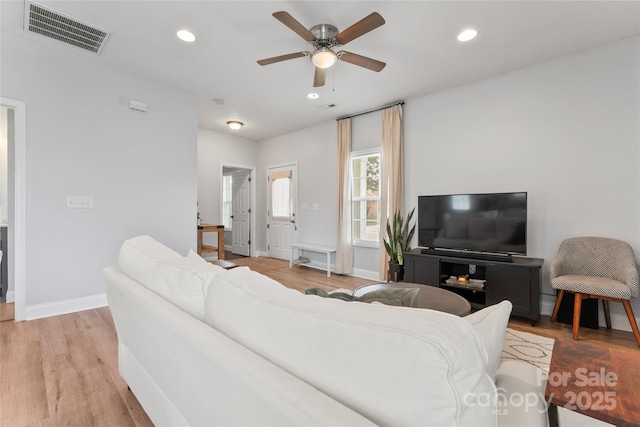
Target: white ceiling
<point>418,43</point>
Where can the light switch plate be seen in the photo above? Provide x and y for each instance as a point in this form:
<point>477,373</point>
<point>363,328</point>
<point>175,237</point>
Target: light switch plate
<point>79,202</point>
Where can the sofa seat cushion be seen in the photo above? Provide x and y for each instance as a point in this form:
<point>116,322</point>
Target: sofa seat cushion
<point>393,365</point>
<point>183,281</point>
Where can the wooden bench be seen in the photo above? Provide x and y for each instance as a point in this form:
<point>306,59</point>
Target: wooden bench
<point>313,248</point>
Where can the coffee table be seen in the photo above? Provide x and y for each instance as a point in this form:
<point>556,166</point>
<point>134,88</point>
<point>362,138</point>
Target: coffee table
<point>600,382</point>
<point>430,297</point>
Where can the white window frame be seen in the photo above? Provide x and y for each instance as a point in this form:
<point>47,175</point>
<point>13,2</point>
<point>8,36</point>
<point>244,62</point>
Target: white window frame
<point>356,154</point>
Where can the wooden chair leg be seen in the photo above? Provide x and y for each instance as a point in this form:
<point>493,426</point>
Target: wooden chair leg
<point>557,306</point>
<point>577,309</point>
<point>607,314</point>
<point>632,320</point>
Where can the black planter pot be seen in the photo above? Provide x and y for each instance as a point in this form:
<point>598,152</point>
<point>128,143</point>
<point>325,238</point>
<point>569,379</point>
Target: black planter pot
<point>396,272</point>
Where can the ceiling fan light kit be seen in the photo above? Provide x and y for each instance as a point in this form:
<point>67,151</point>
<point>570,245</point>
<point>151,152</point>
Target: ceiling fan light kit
<point>324,58</point>
<point>324,38</point>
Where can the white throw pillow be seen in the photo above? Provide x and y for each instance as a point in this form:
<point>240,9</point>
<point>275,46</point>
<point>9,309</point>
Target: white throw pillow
<point>139,255</point>
<point>184,281</point>
<point>491,324</point>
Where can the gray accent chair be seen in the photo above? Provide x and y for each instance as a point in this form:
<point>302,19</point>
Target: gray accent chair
<point>595,267</point>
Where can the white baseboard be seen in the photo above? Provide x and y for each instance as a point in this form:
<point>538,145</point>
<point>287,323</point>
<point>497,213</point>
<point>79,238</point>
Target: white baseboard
<point>262,254</point>
<point>11,296</point>
<point>365,274</point>
<point>546,308</point>
<point>57,308</point>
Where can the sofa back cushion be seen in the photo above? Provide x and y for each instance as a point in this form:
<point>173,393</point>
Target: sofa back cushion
<point>182,281</point>
<point>394,365</point>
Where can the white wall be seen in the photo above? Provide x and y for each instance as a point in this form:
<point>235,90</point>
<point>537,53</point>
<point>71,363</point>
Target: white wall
<point>566,131</point>
<point>316,152</point>
<point>215,150</point>
<point>83,140</point>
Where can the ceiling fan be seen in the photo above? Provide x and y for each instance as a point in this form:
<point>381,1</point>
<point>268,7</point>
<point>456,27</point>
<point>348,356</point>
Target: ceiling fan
<point>324,38</point>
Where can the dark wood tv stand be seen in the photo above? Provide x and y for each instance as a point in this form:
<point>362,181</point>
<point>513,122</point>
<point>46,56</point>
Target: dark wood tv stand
<point>516,279</point>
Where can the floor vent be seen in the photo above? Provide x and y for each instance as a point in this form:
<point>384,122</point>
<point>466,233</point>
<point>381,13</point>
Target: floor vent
<point>50,23</point>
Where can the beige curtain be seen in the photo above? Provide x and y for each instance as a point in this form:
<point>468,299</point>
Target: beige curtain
<point>391,176</point>
<point>344,249</point>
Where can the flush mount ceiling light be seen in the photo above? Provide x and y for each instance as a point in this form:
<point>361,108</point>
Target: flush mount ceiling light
<point>313,96</point>
<point>234,124</point>
<point>186,36</point>
<point>323,58</point>
<point>468,34</point>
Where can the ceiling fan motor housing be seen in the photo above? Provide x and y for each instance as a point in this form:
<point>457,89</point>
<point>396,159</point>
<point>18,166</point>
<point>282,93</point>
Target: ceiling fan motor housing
<point>325,35</point>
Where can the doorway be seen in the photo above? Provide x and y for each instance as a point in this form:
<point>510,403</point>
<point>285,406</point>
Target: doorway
<point>6,300</point>
<point>236,203</point>
<point>282,197</point>
<point>14,130</point>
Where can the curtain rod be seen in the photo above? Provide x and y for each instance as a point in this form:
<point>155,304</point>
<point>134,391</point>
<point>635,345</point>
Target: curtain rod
<point>370,111</point>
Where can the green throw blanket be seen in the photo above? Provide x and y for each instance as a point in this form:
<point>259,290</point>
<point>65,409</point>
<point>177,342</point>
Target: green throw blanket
<point>406,297</point>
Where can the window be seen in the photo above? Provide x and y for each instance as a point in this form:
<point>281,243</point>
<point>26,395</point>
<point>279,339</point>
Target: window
<point>281,195</point>
<point>365,175</point>
<point>227,198</point>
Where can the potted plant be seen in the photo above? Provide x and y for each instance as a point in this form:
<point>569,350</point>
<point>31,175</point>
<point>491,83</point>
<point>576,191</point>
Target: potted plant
<point>398,240</point>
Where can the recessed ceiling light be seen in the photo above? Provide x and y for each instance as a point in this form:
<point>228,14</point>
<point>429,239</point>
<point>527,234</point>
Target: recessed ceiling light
<point>186,36</point>
<point>467,35</point>
<point>313,96</point>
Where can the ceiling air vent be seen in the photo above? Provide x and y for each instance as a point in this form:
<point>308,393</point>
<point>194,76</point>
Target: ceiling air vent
<point>49,23</point>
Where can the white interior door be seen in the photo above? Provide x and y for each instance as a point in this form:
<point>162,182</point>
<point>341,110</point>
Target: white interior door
<point>281,212</point>
<point>240,213</point>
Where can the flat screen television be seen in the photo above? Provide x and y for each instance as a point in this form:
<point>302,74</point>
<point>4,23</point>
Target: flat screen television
<point>494,223</point>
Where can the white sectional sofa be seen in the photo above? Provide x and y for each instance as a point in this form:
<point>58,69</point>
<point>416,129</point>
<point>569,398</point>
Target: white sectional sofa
<point>202,346</point>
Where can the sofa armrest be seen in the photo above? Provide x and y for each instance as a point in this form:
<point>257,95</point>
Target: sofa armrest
<point>631,279</point>
<point>521,400</point>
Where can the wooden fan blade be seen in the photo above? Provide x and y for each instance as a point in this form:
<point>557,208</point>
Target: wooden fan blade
<point>319,77</point>
<point>280,58</point>
<point>361,27</point>
<point>294,25</point>
<point>361,61</point>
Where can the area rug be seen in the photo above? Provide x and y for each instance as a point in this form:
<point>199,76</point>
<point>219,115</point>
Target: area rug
<point>530,348</point>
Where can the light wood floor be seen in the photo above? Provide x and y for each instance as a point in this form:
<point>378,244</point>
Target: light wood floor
<point>63,370</point>
<point>7,310</point>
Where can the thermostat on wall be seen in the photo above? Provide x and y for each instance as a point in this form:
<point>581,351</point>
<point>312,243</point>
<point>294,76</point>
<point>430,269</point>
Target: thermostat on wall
<point>138,105</point>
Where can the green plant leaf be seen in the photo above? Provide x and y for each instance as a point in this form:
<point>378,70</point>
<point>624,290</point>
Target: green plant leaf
<point>399,236</point>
